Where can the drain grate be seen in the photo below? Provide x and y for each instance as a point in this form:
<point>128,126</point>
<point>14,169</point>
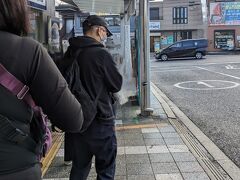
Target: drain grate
<point>213,169</point>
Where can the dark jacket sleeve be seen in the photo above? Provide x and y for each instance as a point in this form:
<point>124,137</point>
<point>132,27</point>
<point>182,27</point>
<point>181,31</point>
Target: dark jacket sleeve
<point>50,91</point>
<point>112,77</point>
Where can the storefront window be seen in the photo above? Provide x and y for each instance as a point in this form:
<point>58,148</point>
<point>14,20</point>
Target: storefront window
<point>224,39</point>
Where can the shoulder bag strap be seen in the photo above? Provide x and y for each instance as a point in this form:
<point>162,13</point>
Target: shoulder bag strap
<point>15,86</point>
<point>20,90</point>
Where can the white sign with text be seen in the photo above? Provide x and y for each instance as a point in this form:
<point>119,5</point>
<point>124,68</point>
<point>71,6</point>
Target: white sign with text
<point>154,26</point>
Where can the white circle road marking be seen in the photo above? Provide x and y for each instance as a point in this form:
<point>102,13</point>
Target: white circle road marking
<point>208,83</point>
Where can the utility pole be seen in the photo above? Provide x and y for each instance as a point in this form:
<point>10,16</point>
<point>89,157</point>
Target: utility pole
<point>146,110</point>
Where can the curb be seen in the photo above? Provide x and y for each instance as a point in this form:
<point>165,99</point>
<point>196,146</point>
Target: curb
<point>226,164</point>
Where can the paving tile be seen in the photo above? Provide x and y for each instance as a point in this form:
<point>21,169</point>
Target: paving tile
<point>195,176</point>
<point>120,135</point>
<point>176,176</point>
<point>62,145</point>
<point>57,161</point>
<point>121,142</point>
<point>163,116</point>
<point>134,142</point>
<point>167,129</point>
<point>161,157</point>
<point>150,142</point>
<point>119,178</point>
<point>132,131</point>
<point>139,168</point>
<point>163,124</point>
<point>170,135</point>
<point>60,153</point>
<point>121,170</point>
<point>131,136</point>
<point>155,106</point>
<point>189,167</point>
<point>92,172</point>
<point>137,158</point>
<point>121,159</point>
<point>135,150</point>
<point>165,168</point>
<point>91,178</point>
<point>120,150</point>
<point>157,111</point>
<point>150,130</point>
<point>157,149</point>
<point>141,177</point>
<point>178,148</point>
<point>58,172</point>
<point>152,135</point>
<point>174,141</point>
<point>185,156</point>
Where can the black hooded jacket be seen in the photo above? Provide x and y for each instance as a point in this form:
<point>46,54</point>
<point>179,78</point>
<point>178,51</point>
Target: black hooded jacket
<point>98,73</point>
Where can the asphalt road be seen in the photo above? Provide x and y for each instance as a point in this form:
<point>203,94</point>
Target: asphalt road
<point>208,92</point>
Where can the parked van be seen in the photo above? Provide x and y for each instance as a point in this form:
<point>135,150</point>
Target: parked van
<point>186,48</point>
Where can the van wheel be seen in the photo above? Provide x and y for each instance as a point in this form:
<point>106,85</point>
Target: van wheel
<point>164,57</point>
<point>198,55</point>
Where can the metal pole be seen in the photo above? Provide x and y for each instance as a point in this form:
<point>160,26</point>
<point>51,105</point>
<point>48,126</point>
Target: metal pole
<point>146,110</point>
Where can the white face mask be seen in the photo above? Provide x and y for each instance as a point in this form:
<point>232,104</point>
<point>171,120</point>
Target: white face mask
<point>103,39</point>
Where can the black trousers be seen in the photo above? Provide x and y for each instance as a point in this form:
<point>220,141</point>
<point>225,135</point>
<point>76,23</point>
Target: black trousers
<point>67,147</point>
<point>99,141</point>
<point>33,173</point>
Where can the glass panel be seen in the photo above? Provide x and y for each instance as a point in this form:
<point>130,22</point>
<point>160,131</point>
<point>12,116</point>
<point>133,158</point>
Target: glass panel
<point>188,44</point>
<point>177,45</point>
<point>69,25</point>
<point>154,13</point>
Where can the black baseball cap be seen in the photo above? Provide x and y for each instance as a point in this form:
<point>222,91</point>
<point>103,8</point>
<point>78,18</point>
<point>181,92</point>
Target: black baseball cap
<point>94,20</point>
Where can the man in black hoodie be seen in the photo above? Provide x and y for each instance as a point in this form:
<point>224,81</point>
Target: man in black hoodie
<point>100,78</point>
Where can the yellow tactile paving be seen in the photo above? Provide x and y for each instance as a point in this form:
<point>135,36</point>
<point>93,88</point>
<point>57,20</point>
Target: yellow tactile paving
<point>57,141</point>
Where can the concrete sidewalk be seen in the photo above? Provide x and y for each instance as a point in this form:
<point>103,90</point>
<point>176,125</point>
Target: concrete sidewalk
<point>148,149</point>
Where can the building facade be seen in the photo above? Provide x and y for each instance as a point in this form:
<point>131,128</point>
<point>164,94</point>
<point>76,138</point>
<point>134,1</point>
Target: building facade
<point>223,25</point>
<point>174,20</point>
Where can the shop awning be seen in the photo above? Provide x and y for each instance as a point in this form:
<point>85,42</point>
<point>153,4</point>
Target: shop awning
<point>99,6</point>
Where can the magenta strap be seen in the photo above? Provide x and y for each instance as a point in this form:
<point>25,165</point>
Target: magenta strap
<point>15,86</point>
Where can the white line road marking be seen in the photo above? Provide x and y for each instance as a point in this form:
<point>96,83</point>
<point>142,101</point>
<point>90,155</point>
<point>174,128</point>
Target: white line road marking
<point>205,84</point>
<point>187,65</point>
<point>192,84</point>
<point>220,63</point>
<point>231,67</point>
<point>235,77</point>
<point>170,70</point>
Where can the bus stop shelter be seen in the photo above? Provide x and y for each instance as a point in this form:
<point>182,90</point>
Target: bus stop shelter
<point>127,8</point>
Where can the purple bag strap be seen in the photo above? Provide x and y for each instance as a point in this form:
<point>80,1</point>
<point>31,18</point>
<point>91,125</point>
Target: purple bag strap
<point>15,86</point>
